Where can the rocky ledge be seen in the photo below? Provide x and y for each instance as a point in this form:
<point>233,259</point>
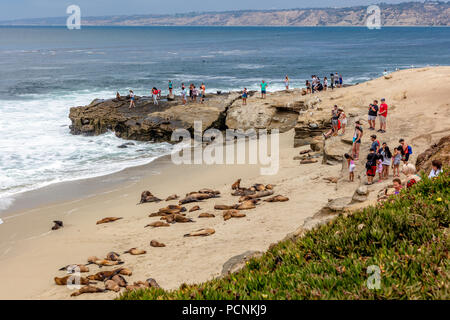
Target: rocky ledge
<point>149,122</point>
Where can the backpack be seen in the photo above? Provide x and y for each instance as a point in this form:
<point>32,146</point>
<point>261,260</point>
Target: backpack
<point>409,150</point>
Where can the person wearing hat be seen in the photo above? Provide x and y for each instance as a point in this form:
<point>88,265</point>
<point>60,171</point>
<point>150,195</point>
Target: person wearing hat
<point>382,114</point>
<point>357,140</point>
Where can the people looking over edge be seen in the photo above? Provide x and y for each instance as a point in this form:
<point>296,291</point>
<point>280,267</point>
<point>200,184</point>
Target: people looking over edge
<point>382,114</point>
<point>264,86</point>
<point>373,112</point>
<point>405,150</point>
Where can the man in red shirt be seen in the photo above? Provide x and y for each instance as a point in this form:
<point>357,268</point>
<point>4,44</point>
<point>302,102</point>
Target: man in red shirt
<point>382,114</point>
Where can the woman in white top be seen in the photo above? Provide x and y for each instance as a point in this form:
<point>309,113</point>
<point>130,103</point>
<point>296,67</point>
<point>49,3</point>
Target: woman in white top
<point>436,169</point>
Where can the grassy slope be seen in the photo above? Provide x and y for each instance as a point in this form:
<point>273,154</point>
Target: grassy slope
<point>407,237</point>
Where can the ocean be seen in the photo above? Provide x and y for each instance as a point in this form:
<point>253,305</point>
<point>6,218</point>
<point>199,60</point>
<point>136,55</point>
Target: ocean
<point>46,70</point>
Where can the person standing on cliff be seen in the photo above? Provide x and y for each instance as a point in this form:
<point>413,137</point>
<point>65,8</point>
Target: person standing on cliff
<point>286,82</point>
<point>132,98</point>
<point>244,97</point>
<point>203,94</point>
<point>357,140</point>
<point>264,86</point>
<point>170,87</point>
<point>341,81</point>
<point>336,80</point>
<point>382,114</point>
<point>332,81</point>
<point>373,112</point>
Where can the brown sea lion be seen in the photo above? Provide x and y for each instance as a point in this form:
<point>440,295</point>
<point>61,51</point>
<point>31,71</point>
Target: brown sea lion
<point>259,194</point>
<point>209,191</point>
<point>206,215</point>
<point>152,283</point>
<point>87,289</point>
<point>135,251</point>
<point>224,207</point>
<point>103,275</point>
<point>227,215</point>
<point>103,262</point>
<point>201,233</point>
<point>270,187</point>
<point>170,209</point>
<point>112,286</point>
<point>168,218</point>
<point>259,187</point>
<point>182,219</point>
<point>147,196</point>
<point>197,196</point>
<point>236,185</point>
<point>156,244</point>
<point>63,280</point>
<point>123,271</point>
<point>157,224</point>
<point>119,280</point>
<point>194,208</point>
<point>247,205</point>
<point>243,192</point>
<point>113,256</point>
<point>172,197</point>
<point>72,268</point>
<point>108,219</point>
<point>58,224</point>
<point>277,199</point>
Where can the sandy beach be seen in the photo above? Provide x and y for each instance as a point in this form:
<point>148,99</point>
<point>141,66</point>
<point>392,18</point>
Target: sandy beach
<point>31,254</point>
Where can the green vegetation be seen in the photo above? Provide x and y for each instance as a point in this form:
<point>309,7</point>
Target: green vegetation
<point>406,237</point>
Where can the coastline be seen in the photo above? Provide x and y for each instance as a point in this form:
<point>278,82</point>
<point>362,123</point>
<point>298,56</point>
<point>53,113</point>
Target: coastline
<point>26,241</point>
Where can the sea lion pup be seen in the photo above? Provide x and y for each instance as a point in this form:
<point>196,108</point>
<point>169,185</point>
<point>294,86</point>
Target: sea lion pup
<point>172,197</point>
<point>87,289</point>
<point>259,194</point>
<point>236,185</point>
<point>225,207</point>
<point>103,262</point>
<point>135,251</point>
<point>206,215</point>
<point>157,224</point>
<point>227,215</point>
<point>201,232</point>
<point>72,268</point>
<point>112,286</point>
<point>156,244</point>
<point>58,224</point>
<point>269,187</point>
<point>194,208</point>
<point>108,219</point>
<point>278,198</point>
<point>63,280</point>
<point>147,196</point>
<point>113,256</point>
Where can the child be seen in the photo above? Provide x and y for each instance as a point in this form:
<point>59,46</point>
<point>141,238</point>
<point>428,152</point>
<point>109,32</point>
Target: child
<point>436,169</point>
<point>183,95</point>
<point>397,157</point>
<point>351,166</point>
<point>244,96</point>
<point>380,169</point>
<point>397,185</point>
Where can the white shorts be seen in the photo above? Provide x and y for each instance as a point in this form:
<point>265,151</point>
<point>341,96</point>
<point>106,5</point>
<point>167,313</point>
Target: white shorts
<point>372,118</point>
<point>344,121</point>
<point>382,119</point>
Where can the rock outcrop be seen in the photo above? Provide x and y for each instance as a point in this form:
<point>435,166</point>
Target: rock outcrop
<point>439,151</point>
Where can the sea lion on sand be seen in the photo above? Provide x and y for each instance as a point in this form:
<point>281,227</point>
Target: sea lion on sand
<point>172,197</point>
<point>206,215</point>
<point>147,196</point>
<point>170,209</point>
<point>260,194</point>
<point>108,219</point>
<point>103,275</point>
<point>243,192</point>
<point>58,224</point>
<point>194,208</point>
<point>156,244</point>
<point>227,215</point>
<point>248,204</point>
<point>182,219</point>
<point>63,280</point>
<point>112,286</point>
<point>152,283</point>
<point>236,185</point>
<point>124,271</point>
<point>103,262</point>
<point>135,251</point>
<point>270,187</point>
<point>87,289</point>
<point>72,268</point>
<point>198,196</point>
<point>201,233</point>
<point>225,207</point>
<point>157,224</point>
<point>113,256</point>
<point>209,191</point>
<point>119,280</point>
<point>259,187</point>
<point>277,199</point>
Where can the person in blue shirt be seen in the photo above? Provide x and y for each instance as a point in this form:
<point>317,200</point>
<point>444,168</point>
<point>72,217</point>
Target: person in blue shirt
<point>264,86</point>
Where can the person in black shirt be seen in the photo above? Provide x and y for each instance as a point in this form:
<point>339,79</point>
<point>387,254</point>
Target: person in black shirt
<point>373,112</point>
<point>371,165</point>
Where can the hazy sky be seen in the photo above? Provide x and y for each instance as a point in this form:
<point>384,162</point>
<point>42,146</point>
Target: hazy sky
<point>18,9</point>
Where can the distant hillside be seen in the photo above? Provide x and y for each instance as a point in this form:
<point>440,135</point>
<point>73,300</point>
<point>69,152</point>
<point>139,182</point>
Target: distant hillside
<point>429,13</point>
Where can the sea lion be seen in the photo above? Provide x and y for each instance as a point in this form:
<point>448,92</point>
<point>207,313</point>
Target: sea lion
<point>172,197</point>
<point>87,289</point>
<point>247,205</point>
<point>119,280</point>
<point>169,218</point>
<point>182,219</point>
<point>201,233</point>
<point>170,209</point>
<point>157,224</point>
<point>63,280</point>
<point>277,199</point>
<point>103,275</point>
<point>259,187</point>
<point>209,191</point>
<point>72,268</point>
<point>147,196</point>
<point>206,215</point>
<point>269,187</point>
<point>112,286</point>
<point>135,251</point>
<point>103,262</point>
<point>194,208</point>
<point>227,215</point>
<point>198,196</point>
<point>236,185</point>
<point>224,207</point>
<point>156,244</point>
<point>243,192</point>
<point>108,219</point>
<point>123,271</point>
<point>113,256</point>
<point>152,283</point>
<point>58,224</point>
<point>259,194</point>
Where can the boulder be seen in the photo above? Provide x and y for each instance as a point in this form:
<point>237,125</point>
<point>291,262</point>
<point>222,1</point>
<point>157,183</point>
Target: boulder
<point>339,204</point>
<point>362,191</point>
<point>438,151</point>
<point>238,262</point>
